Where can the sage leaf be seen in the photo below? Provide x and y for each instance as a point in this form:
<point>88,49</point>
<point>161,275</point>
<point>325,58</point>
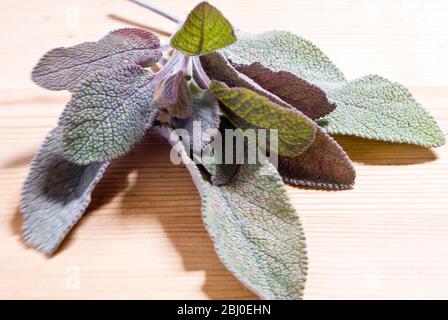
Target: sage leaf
<point>370,107</point>
<point>55,194</point>
<point>222,172</point>
<point>295,131</point>
<point>64,68</point>
<point>323,165</point>
<point>204,121</point>
<point>331,169</point>
<point>175,96</point>
<point>308,98</point>
<point>256,232</point>
<point>108,113</point>
<point>205,30</point>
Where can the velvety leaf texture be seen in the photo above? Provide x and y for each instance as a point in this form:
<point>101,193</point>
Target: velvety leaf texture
<point>64,68</point>
<point>375,108</point>
<point>175,96</point>
<point>306,97</point>
<point>108,114</point>
<point>55,194</point>
<point>324,165</point>
<point>305,174</point>
<point>295,132</point>
<point>205,30</point>
<point>222,173</point>
<point>256,232</point>
<point>206,114</point>
<point>217,67</point>
<point>370,107</point>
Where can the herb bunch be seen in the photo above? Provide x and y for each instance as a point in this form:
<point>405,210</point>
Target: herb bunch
<point>127,83</point>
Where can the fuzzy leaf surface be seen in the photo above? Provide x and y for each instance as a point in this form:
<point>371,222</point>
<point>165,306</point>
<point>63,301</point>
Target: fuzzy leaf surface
<point>205,30</point>
<point>323,165</point>
<point>301,94</point>
<point>108,114</point>
<point>204,121</point>
<point>64,68</point>
<point>256,232</point>
<point>175,96</point>
<point>311,167</point>
<point>295,131</point>
<point>370,107</point>
<point>222,172</point>
<point>55,194</point>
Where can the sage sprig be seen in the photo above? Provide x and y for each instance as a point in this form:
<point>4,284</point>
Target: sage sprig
<point>213,79</point>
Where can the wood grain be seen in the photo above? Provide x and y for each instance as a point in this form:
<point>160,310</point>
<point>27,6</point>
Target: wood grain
<point>143,237</point>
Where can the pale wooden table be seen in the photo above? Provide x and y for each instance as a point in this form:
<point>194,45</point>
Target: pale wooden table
<point>143,236</point>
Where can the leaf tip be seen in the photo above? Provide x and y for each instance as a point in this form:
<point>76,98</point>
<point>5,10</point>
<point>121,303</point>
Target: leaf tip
<point>204,31</point>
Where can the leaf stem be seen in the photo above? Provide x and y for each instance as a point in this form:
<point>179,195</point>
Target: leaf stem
<point>200,73</point>
<point>168,67</point>
<point>155,8</point>
<point>184,63</point>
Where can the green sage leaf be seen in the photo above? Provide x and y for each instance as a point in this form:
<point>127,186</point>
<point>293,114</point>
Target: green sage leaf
<point>205,30</point>
<point>64,68</point>
<point>55,194</point>
<point>295,131</point>
<point>370,107</point>
<point>323,165</point>
<point>108,113</point>
<point>256,232</point>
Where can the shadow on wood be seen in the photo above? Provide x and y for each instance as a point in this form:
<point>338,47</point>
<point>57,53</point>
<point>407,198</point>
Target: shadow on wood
<point>16,227</point>
<point>164,186</point>
<point>165,192</point>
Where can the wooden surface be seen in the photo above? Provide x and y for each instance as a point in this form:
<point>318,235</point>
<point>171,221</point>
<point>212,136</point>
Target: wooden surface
<point>143,237</point>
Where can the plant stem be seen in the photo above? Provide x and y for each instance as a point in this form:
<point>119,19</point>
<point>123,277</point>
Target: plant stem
<point>168,67</point>
<point>155,8</point>
<point>202,77</point>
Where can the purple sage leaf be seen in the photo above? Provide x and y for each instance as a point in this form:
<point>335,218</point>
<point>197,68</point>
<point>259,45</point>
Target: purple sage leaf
<point>370,107</point>
<point>256,231</point>
<point>55,194</point>
<point>108,113</point>
<point>64,68</point>
<point>323,165</point>
<point>299,93</point>
<point>314,173</point>
<point>175,96</point>
<point>204,121</point>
